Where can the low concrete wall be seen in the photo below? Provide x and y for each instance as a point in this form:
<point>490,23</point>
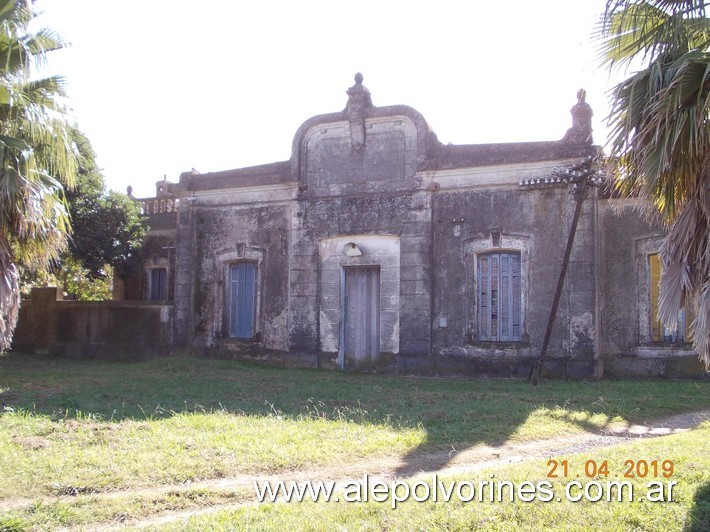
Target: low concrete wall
<point>110,330</point>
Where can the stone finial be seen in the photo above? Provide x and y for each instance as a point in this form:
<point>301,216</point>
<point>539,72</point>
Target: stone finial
<point>358,100</point>
<point>581,130</point>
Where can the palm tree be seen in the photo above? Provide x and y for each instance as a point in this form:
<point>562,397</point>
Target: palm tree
<point>660,139</point>
<point>36,156</point>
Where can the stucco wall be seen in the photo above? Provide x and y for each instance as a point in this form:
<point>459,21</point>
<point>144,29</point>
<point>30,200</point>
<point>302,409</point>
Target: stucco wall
<point>227,234</point>
<point>536,224</point>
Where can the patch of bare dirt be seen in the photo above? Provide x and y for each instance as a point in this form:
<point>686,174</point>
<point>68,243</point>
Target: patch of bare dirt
<point>31,442</point>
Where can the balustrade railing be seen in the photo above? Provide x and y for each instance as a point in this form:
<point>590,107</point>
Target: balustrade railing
<point>159,205</point>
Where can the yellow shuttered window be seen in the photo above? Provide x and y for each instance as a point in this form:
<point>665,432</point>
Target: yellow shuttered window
<point>659,333</point>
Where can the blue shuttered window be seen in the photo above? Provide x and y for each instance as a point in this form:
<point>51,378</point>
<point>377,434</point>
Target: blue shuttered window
<point>499,304</point>
<point>242,299</point>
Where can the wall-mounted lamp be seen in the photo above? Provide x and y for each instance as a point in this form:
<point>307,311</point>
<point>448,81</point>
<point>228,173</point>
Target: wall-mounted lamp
<point>351,249</point>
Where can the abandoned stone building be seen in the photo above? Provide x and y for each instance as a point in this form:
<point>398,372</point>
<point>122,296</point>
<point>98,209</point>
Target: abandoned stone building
<point>376,247</point>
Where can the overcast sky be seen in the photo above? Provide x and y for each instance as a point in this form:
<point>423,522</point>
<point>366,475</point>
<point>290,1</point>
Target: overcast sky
<point>162,86</point>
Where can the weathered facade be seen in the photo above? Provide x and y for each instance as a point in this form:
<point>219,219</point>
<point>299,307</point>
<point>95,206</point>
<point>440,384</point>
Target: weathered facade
<point>377,247</point>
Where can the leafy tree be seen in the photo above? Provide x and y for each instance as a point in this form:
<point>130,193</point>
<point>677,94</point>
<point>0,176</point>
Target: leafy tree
<point>107,231</point>
<point>660,139</point>
<point>36,157</point>
<point>78,281</point>
<point>108,227</point>
<point>74,279</point>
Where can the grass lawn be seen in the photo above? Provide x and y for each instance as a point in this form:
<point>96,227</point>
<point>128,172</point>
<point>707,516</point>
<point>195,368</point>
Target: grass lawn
<point>82,428</point>
<point>689,509</point>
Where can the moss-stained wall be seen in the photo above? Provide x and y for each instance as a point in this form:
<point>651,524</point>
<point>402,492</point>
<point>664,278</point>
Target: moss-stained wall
<point>228,234</point>
<point>534,223</point>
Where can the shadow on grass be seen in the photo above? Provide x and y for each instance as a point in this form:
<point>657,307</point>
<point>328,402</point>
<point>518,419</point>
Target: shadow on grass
<point>699,515</point>
<point>455,414</point>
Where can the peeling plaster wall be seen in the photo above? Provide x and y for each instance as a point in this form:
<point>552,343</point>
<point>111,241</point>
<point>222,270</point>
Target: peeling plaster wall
<point>225,234</point>
<point>482,213</point>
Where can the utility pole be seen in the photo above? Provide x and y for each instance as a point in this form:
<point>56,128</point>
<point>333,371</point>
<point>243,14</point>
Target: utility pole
<point>582,176</point>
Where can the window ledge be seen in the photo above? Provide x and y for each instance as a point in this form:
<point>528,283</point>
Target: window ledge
<point>664,350</point>
<point>499,345</point>
<point>240,341</point>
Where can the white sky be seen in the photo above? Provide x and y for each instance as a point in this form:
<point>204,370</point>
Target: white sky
<point>163,86</point>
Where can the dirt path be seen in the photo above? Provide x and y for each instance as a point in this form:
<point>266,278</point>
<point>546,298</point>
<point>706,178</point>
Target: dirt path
<point>416,465</point>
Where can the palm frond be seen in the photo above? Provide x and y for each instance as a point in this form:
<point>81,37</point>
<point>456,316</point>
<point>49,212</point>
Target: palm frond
<point>648,30</point>
<point>7,8</point>
<point>660,139</point>
<point>9,294</point>
<point>701,325</point>
<point>675,281</point>
<point>36,157</point>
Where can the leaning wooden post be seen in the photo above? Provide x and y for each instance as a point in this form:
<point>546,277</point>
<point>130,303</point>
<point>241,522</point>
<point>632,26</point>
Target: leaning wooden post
<point>582,176</point>
<point>536,370</point>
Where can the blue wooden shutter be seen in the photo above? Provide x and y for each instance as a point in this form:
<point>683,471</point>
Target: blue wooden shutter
<point>499,301</point>
<point>242,299</point>
<point>517,309</point>
<point>484,281</point>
